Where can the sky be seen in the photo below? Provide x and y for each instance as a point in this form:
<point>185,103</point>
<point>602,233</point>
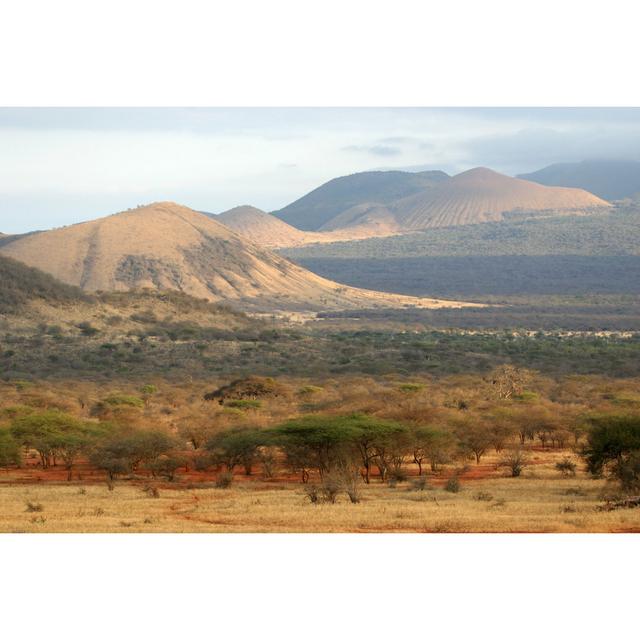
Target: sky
<point>59,166</point>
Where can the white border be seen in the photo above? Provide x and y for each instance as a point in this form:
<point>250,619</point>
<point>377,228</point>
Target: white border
<point>338,52</point>
<point>344,53</point>
<point>319,586</point>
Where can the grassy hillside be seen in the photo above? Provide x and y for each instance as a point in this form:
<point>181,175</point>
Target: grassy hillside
<point>20,284</point>
<point>316,208</point>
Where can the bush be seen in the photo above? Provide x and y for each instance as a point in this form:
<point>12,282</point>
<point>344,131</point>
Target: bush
<point>566,467</point>
<point>614,446</point>
<point>9,450</point>
<point>350,484</point>
<point>151,491</point>
<point>148,389</point>
<point>166,466</point>
<point>419,484</point>
<point>330,488</point>
<point>396,476</point>
<point>453,485</point>
<point>410,387</point>
<point>311,491</point>
<point>87,329</point>
<point>224,480</point>
<point>515,461</point>
<point>243,404</point>
<point>309,389</point>
<point>116,400</point>
<point>483,496</point>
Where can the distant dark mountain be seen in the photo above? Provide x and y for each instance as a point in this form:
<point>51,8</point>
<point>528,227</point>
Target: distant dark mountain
<point>313,210</point>
<point>20,284</point>
<point>609,179</point>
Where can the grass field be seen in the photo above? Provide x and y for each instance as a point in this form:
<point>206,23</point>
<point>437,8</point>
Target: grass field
<point>539,501</point>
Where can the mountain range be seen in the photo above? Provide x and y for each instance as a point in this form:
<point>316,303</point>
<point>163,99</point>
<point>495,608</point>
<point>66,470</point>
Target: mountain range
<point>166,246</point>
<point>230,257</point>
<point>475,196</point>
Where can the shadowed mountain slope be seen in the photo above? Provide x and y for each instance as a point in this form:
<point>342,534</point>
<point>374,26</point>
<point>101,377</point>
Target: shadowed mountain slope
<point>20,284</point>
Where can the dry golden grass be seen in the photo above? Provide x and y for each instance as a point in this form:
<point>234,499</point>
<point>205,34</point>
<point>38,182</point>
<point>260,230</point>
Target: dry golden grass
<point>540,501</point>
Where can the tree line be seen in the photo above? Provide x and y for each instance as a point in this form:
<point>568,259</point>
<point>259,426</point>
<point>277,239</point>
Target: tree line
<point>342,449</point>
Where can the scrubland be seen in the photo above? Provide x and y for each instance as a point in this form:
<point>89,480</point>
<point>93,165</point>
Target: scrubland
<point>503,452</point>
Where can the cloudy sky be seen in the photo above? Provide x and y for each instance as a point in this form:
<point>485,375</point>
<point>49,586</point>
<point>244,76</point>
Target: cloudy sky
<point>60,166</point>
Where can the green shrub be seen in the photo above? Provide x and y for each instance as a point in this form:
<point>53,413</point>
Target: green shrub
<point>9,449</point>
<point>411,387</point>
<point>243,404</point>
<point>566,467</point>
<point>116,400</point>
<point>309,389</point>
<point>87,329</point>
<point>419,484</point>
<point>453,485</point>
<point>148,390</point>
<point>614,447</point>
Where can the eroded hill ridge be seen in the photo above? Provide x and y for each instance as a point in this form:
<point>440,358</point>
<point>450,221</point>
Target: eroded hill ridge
<point>166,246</point>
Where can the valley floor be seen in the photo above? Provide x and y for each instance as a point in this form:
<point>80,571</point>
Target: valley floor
<point>540,501</point>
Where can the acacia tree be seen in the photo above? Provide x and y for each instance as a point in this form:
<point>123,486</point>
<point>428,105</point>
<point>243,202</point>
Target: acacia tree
<point>613,447</point>
<point>166,465</point>
<point>474,437</point>
<point>433,445</point>
<point>501,426</point>
<point>53,433</point>
<point>326,443</point>
<point>530,420</point>
<point>379,442</point>
<point>125,449</point>
<point>237,447</point>
<point>317,442</point>
<point>9,450</point>
<point>75,441</point>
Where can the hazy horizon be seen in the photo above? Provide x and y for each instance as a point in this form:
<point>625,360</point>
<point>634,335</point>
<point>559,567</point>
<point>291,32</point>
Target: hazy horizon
<point>60,166</point>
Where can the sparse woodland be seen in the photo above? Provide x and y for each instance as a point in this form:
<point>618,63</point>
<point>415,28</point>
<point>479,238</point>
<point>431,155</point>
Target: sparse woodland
<point>501,444</point>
